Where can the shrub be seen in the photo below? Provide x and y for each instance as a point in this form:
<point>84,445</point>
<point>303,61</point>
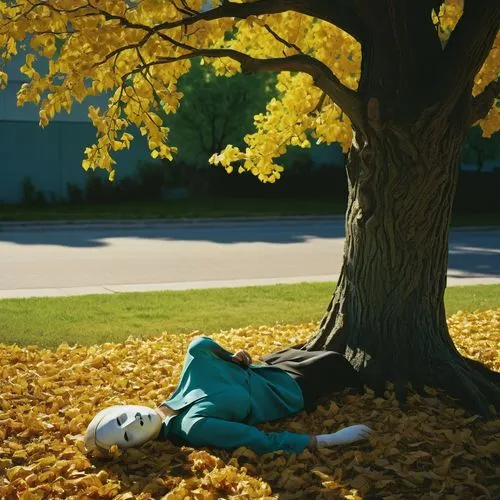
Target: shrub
<point>31,195</point>
<point>74,194</point>
<point>153,178</point>
<point>99,190</point>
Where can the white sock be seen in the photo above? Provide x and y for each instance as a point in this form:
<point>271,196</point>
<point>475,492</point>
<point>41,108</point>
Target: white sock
<point>344,436</point>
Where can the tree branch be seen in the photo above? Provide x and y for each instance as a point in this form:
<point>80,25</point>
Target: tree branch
<point>482,103</point>
<point>341,13</point>
<point>467,48</point>
<point>288,44</point>
<point>323,76</point>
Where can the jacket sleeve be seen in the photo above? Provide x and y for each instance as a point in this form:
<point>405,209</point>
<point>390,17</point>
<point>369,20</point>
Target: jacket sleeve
<point>217,433</point>
<point>201,345</point>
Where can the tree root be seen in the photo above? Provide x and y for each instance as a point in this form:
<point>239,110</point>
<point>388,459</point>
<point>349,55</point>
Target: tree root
<point>471,383</point>
<point>491,375</point>
<point>457,381</point>
<point>489,389</point>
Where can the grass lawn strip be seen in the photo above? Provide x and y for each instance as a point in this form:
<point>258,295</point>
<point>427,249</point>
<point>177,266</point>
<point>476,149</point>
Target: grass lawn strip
<point>94,319</point>
<point>214,207</point>
<point>433,449</point>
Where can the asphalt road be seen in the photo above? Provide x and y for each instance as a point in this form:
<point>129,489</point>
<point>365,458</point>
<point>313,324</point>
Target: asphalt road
<point>79,259</point>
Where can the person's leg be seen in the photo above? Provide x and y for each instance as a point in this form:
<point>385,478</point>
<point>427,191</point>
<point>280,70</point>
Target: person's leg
<point>318,373</point>
<point>328,373</point>
<point>288,354</point>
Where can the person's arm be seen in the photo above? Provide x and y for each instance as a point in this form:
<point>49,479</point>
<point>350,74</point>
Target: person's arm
<point>206,344</point>
<point>201,345</point>
<point>218,433</point>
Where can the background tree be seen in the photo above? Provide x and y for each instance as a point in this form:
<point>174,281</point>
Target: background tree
<point>399,82</point>
<point>216,111</point>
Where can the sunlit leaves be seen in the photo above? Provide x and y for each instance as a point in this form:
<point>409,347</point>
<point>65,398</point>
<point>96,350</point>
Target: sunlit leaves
<point>445,22</point>
<point>4,79</point>
<point>433,449</point>
<point>447,18</point>
<point>114,48</point>
<point>489,72</point>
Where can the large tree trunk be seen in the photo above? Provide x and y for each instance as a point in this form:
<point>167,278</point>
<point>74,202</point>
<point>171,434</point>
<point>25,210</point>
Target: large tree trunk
<point>387,314</point>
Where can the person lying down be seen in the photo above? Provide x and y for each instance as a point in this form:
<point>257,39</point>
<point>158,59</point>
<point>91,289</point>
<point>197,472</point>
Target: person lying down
<point>222,396</point>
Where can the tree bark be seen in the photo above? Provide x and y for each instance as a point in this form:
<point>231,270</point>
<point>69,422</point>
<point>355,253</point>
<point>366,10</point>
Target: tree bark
<point>387,313</point>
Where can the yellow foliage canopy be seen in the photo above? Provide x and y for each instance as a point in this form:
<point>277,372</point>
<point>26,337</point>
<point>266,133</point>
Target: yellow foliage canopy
<point>135,52</point>
<point>433,449</point>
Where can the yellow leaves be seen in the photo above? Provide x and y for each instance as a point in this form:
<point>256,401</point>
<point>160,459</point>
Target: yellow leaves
<point>446,21</point>
<point>226,67</point>
<point>259,20</point>
<point>477,336</point>
<point>4,80</point>
<point>109,125</point>
<point>289,121</point>
<point>44,45</point>
<point>488,73</point>
<point>5,463</point>
<point>433,449</point>
<point>227,156</point>
<point>91,53</point>
<point>491,123</point>
<point>126,138</point>
<point>27,68</point>
<point>10,48</point>
<point>447,18</point>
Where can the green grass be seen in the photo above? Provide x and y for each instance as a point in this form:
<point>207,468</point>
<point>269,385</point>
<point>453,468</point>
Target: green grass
<point>216,207</point>
<point>94,319</point>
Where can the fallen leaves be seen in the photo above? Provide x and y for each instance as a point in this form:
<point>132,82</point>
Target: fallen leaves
<point>431,450</point>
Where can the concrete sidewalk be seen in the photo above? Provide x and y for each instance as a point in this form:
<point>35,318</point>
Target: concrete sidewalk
<point>58,258</point>
<point>194,285</point>
<point>157,287</point>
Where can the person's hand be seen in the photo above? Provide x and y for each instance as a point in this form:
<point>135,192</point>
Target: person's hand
<point>344,436</point>
<point>241,358</point>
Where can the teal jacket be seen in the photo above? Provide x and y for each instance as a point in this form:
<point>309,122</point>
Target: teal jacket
<point>219,402</point>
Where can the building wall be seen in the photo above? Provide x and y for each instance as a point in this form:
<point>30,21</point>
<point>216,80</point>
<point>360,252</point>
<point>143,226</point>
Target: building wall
<point>51,157</point>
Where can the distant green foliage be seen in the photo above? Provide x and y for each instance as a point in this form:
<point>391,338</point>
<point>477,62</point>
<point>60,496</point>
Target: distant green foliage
<point>31,195</point>
<point>479,150</point>
<point>217,112</point>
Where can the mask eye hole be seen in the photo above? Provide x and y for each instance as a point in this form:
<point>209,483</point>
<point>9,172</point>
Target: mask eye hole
<point>138,415</point>
<point>126,437</point>
<point>118,421</point>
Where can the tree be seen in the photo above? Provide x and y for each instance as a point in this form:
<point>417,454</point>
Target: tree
<point>215,111</point>
<point>398,82</point>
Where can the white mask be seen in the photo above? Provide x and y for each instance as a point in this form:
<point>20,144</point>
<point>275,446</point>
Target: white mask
<point>127,426</point>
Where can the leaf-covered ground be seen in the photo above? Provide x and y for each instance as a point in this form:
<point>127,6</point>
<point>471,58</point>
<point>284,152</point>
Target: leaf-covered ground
<point>432,450</point>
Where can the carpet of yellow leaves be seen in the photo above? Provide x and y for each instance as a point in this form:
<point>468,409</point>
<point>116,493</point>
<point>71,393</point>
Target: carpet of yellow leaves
<point>431,450</point>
